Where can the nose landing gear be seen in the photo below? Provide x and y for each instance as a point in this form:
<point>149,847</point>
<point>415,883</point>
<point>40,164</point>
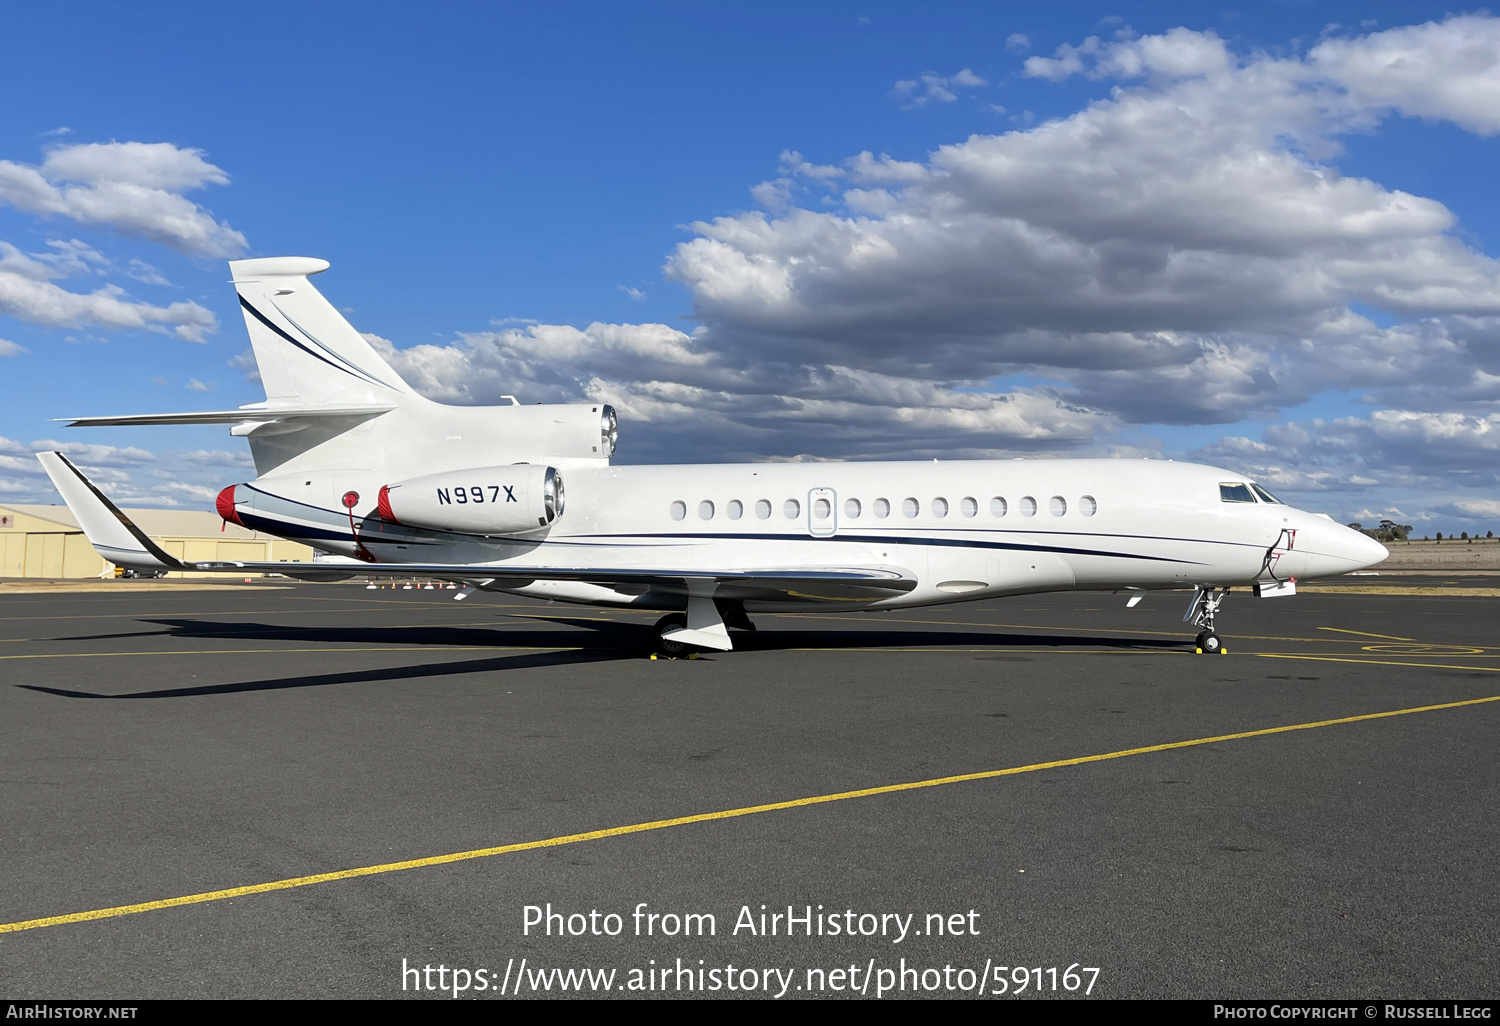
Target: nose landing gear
<point>1200,613</point>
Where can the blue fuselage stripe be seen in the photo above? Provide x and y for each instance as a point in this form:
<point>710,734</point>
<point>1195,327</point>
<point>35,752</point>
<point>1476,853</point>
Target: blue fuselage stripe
<point>292,529</point>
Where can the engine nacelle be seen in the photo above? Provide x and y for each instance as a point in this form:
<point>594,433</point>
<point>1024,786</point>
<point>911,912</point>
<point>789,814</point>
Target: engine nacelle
<point>554,430</point>
<point>518,499</point>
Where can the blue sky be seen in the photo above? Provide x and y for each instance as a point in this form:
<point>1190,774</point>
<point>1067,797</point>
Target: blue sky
<point>483,176</point>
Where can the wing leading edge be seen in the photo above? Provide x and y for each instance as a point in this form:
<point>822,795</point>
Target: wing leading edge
<point>244,415</point>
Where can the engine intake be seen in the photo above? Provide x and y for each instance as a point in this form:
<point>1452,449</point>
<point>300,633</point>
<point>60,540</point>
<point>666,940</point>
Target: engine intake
<point>512,500</point>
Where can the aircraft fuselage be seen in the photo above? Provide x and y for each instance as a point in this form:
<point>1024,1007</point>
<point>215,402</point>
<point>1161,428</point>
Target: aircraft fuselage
<point>962,529</point>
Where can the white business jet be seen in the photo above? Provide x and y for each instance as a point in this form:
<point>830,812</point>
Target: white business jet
<point>354,462</point>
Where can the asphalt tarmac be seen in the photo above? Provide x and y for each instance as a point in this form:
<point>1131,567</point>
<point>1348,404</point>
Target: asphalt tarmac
<point>260,793</point>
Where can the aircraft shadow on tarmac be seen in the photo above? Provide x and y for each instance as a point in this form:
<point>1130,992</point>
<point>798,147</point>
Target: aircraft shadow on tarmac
<point>599,641</point>
<point>624,639</point>
<point>898,634</point>
<point>385,673</point>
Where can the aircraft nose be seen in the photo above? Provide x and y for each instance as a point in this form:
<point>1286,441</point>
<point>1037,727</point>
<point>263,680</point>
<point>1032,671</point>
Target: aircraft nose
<point>1366,550</point>
<point>1335,549</point>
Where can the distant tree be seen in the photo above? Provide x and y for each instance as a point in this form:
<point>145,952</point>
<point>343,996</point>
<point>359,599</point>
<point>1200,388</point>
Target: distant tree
<point>1389,530</point>
<point>1357,527</point>
<point>1489,534</point>
<point>1465,536</point>
<point>1440,536</point>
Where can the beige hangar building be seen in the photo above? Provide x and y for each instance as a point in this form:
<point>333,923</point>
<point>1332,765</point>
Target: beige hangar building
<point>46,541</point>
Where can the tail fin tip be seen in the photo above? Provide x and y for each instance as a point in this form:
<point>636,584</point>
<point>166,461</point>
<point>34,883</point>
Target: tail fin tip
<point>276,267</point>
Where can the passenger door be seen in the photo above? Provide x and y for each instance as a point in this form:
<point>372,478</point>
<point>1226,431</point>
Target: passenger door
<point>822,513</point>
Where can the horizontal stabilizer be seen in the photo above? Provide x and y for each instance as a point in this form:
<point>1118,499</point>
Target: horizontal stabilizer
<point>250,414</point>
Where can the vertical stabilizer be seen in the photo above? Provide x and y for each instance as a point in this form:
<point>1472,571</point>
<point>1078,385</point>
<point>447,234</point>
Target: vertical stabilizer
<point>306,352</point>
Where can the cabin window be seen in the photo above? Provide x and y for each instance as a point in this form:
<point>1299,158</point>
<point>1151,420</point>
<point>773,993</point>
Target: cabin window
<point>1057,505</point>
<point>968,506</point>
<point>1028,506</point>
<point>882,508</point>
<point>678,509</point>
<point>822,509</point>
<point>763,509</point>
<point>705,510</point>
<point>735,509</point>
<point>910,507</point>
<point>939,507</point>
<point>851,509</point>
<point>998,507</point>
<point>1266,496</point>
<point>1088,505</point>
<point>1230,492</point>
<point>792,509</point>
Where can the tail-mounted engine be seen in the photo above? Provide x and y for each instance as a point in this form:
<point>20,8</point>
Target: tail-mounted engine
<point>511,500</point>
<point>575,431</point>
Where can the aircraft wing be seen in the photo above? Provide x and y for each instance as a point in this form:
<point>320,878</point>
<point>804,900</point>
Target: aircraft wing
<point>811,584</point>
<point>121,542</point>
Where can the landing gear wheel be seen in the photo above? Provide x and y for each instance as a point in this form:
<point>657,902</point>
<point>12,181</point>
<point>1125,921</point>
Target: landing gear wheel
<point>1210,643</point>
<point>667,646</point>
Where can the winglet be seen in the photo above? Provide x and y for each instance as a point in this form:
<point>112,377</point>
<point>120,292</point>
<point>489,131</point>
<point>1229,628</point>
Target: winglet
<point>110,531</point>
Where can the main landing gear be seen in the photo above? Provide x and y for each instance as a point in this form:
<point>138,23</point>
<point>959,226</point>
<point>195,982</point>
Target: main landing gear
<point>1200,613</point>
<point>703,626</point>
<point>666,645</point>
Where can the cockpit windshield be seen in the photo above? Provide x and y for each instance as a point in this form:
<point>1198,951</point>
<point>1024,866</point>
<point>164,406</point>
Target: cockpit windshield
<point>1266,496</point>
<point>1233,492</point>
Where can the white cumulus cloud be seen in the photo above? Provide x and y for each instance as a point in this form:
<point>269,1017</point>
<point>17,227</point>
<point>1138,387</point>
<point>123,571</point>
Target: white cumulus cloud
<point>1174,252</point>
<point>1447,71</point>
<point>930,87</point>
<point>135,188</point>
<point>27,294</point>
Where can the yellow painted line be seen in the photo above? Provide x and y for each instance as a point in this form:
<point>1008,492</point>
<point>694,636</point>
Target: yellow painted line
<point>145,614</point>
<point>505,620</point>
<point>268,628</point>
<point>994,650</point>
<point>381,602</point>
<point>702,817</point>
<point>1455,653</point>
<point>1048,627</point>
<point>560,616</point>
<point>1366,634</point>
<point>1054,650</point>
<point>1391,592</point>
<point>332,648</point>
<point>327,649</point>
<point>1371,662</point>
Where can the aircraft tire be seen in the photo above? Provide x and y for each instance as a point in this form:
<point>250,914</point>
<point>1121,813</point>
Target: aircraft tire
<point>666,646</point>
<point>1209,643</point>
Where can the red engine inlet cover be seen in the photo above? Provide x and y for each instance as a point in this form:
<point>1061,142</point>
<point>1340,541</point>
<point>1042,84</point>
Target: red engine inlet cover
<point>225,505</point>
<point>383,504</point>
